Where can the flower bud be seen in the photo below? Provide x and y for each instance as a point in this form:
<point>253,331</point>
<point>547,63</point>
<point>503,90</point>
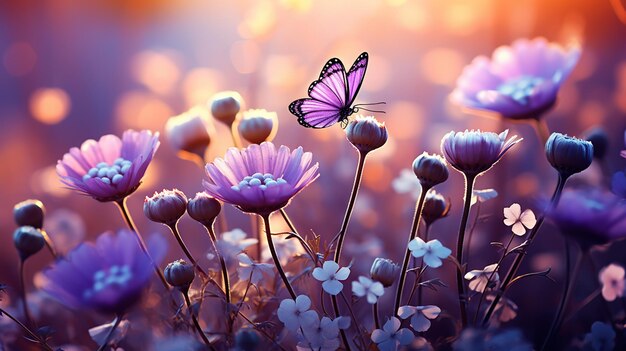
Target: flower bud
<point>190,132</point>
<point>165,207</point>
<point>28,241</point>
<point>246,340</point>
<point>225,106</point>
<point>30,213</point>
<point>366,133</point>
<point>435,207</point>
<point>179,274</point>
<point>600,141</point>
<point>258,126</point>
<point>430,170</point>
<point>204,208</point>
<point>568,155</point>
<point>384,271</point>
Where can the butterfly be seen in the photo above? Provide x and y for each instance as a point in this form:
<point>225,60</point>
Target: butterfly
<point>331,96</point>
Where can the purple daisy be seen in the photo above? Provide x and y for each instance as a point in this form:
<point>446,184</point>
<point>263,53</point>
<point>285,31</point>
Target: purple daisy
<point>520,81</point>
<point>111,168</point>
<point>260,178</point>
<point>108,276</point>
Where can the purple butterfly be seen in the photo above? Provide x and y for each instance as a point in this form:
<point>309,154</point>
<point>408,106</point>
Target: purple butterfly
<point>332,95</point>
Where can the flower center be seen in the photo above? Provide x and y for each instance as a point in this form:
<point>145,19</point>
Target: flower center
<point>115,275</point>
<point>520,89</point>
<point>109,174</point>
<point>262,181</point>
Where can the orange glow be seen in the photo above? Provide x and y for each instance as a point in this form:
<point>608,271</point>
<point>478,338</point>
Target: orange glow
<point>405,120</point>
<point>442,66</point>
<point>245,56</point>
<point>200,84</point>
<point>19,59</point>
<point>259,20</point>
<point>377,176</point>
<point>49,105</point>
<point>141,110</point>
<point>158,71</point>
<point>46,182</point>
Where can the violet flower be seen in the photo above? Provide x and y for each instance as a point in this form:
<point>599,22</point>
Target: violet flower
<point>111,168</point>
<point>520,81</point>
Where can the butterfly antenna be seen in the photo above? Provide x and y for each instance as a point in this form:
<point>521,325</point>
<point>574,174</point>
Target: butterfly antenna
<point>365,109</point>
<point>370,104</point>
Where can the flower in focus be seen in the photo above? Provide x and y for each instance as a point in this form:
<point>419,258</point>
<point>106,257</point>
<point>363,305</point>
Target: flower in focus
<point>568,155</point>
<point>165,207</point>
<point>108,276</point>
<point>407,183</point>
<point>513,216</point>
<point>483,195</point>
<point>260,179</point>
<point>421,316</point>
<point>233,242</point>
<point>251,271</point>
<point>473,152</point>
<point>225,106</point>
<point>366,133</point>
<point>365,287</point>
<point>258,126</point>
<point>331,276</point>
<point>392,336</point>
<point>111,168</point>
<point>520,81</point>
<point>612,279</point>
<point>296,314</point>
<point>435,207</point>
<point>430,170</point>
<point>601,337</point>
<point>384,271</point>
<point>432,252</point>
<point>190,132</point>
<point>479,278</point>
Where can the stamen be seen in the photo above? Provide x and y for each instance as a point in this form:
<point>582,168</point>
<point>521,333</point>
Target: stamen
<point>109,174</point>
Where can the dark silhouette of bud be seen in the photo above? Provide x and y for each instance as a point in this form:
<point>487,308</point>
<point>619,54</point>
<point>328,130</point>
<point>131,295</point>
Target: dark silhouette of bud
<point>430,170</point>
<point>179,274</point>
<point>28,241</point>
<point>600,141</point>
<point>568,155</point>
<point>435,207</point>
<point>384,271</point>
<point>29,213</point>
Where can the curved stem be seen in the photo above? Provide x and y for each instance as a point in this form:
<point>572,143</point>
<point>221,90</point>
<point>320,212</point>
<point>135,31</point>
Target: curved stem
<point>181,243</point>
<point>270,243</point>
<point>407,254</point>
<point>225,277</point>
<point>27,330</point>
<point>375,313</point>
<point>520,255</point>
<point>195,321</point>
<point>460,284</point>
<point>50,244</point>
<point>235,136</point>
<point>543,132</point>
<point>107,339</point>
<point>27,316</point>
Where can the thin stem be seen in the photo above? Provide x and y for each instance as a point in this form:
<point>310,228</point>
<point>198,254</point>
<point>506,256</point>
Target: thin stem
<point>605,303</point>
<point>472,230</point>
<point>50,244</point>
<point>225,276</point>
<point>235,136</point>
<point>107,339</point>
<point>375,313</point>
<point>27,316</point>
<point>582,304</point>
<point>27,330</point>
<point>419,287</point>
<point>543,132</point>
<point>407,254</point>
<point>520,255</point>
<point>418,277</point>
<point>269,337</point>
<point>195,321</point>
<point>270,243</point>
<point>292,228</point>
<point>357,325</point>
<point>181,243</point>
<point>460,284</point>
<point>256,229</point>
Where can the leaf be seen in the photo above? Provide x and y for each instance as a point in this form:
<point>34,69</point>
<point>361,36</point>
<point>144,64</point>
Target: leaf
<point>457,264</point>
<point>520,249</point>
<point>433,284</point>
<point>497,244</point>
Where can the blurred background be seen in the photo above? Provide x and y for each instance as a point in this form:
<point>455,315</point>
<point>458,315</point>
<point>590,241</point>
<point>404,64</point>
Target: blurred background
<point>75,70</point>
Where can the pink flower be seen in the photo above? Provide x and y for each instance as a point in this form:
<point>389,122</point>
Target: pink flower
<point>612,279</point>
<point>111,168</point>
<point>520,81</point>
<point>519,221</point>
<point>260,178</point>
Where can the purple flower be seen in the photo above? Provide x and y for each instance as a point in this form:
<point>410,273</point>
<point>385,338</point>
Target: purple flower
<point>473,152</point>
<point>520,81</point>
<point>111,168</point>
<point>260,178</point>
<point>108,276</point>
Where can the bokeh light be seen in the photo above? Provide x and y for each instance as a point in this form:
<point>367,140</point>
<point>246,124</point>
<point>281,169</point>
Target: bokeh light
<point>49,105</point>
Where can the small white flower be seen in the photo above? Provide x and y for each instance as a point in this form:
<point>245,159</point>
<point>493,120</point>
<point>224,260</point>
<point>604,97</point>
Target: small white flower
<point>513,216</point>
<point>250,270</point>
<point>483,195</point>
<point>295,313</point>
<point>234,242</point>
<point>369,288</point>
<point>479,277</point>
<point>330,275</point>
<point>421,315</point>
<point>612,279</point>
<point>391,336</point>
<point>432,251</point>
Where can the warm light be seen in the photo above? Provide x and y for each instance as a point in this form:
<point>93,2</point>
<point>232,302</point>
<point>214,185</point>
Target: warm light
<point>283,71</point>
<point>404,120</point>
<point>244,56</point>
<point>46,182</point>
<point>200,84</point>
<point>19,59</point>
<point>259,20</point>
<point>141,110</point>
<point>49,105</point>
<point>442,66</point>
<point>158,71</point>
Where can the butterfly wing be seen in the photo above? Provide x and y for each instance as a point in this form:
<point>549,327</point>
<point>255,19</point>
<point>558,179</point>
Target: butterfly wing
<point>313,113</point>
<point>355,77</point>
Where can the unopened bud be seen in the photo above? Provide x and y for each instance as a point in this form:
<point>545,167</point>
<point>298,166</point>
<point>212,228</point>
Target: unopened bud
<point>384,271</point>
<point>179,274</point>
<point>29,213</point>
<point>435,207</point>
<point>28,241</point>
<point>430,170</point>
<point>225,106</point>
<point>568,155</point>
<point>190,132</point>
<point>600,141</point>
<point>366,133</point>
<point>165,207</point>
<point>204,208</point>
<point>258,126</point>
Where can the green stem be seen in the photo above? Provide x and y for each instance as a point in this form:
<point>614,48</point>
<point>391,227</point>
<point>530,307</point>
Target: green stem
<point>181,243</point>
<point>270,244</point>
<point>460,284</point>
<point>225,276</point>
<point>195,321</point>
<point>107,339</point>
<point>27,316</point>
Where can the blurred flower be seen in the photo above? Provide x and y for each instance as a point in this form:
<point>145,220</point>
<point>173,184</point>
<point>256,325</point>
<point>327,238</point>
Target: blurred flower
<point>365,287</point>
<point>165,207</point>
<point>296,314</point>
<point>258,126</point>
<point>520,221</point>
<point>623,152</point>
<point>492,339</point>
<point>233,242</point>
<point>28,241</point>
<point>421,316</point>
<point>190,132</point>
<point>392,336</point>
<point>384,271</point>
<point>252,271</point>
<point>204,208</point>
<point>246,339</point>
<point>432,252</point>
<point>29,213</point>
<point>601,337</point>
<point>366,133</point>
<point>180,275</point>
<point>473,152</point>
<point>520,81</point>
<point>98,334</point>
<point>322,334</point>
<point>407,183</point>
<point>618,184</point>
<point>480,277</point>
<point>225,106</point>
<point>260,179</point>
<point>435,207</point>
<point>66,229</point>
<point>109,169</point>
<point>600,141</point>
<point>430,170</point>
<point>331,275</point>
<point>506,309</point>
<point>612,279</point>
<point>568,155</point>
<point>483,195</point>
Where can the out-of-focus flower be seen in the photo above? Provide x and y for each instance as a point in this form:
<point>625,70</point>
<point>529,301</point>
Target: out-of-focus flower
<point>296,314</point>
<point>435,207</point>
<point>520,81</point>
<point>165,207</point>
<point>225,106</point>
<point>260,179</point>
<point>28,241</point>
<point>252,271</point>
<point>520,221</point>
<point>612,279</point>
<point>204,208</point>
<point>331,275</point>
<point>366,133</point>
<point>233,242</point>
<point>505,310</point>
<point>618,184</point>
<point>66,229</point>
<point>623,152</point>
<point>180,274</point>
<point>365,287</point>
<point>483,195</point>
<point>407,183</point>
<point>384,271</point>
<point>323,334</point>
<point>111,168</point>
<point>392,336</point>
<point>29,213</point>
<point>422,315</point>
<point>99,334</point>
<point>568,155</point>
<point>247,339</point>
<point>190,132</point>
<point>258,126</point>
<point>492,339</point>
<point>180,342</point>
<point>480,277</point>
<point>601,337</point>
<point>432,252</point>
<point>590,216</point>
<point>473,152</point>
<point>430,170</point>
<point>600,141</point>
<point>109,276</point>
